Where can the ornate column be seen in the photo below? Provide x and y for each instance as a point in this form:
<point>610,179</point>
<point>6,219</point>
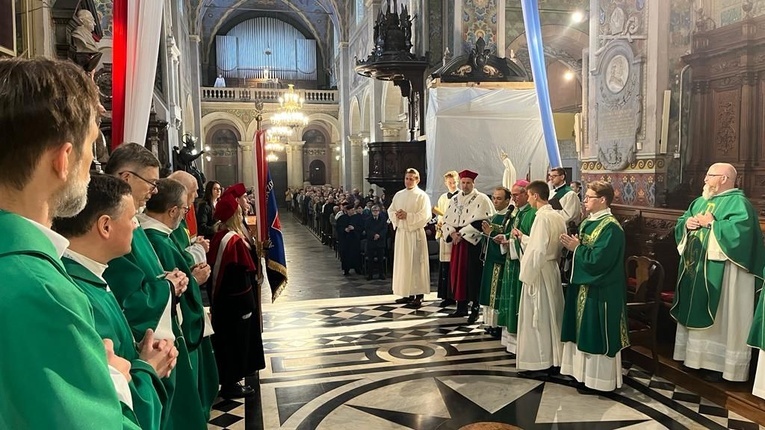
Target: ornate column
<point>356,161</point>
<point>246,164</point>
<point>295,168</point>
<point>345,126</point>
<point>175,113</point>
<point>391,131</point>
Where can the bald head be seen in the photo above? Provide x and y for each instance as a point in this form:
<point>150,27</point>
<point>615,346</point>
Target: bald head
<point>188,181</point>
<point>719,178</point>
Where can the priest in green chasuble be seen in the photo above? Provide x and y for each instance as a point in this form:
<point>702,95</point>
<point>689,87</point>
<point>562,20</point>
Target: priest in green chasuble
<point>494,258</point>
<point>513,243</point>
<point>164,213</point>
<point>594,329</point>
<point>99,233</point>
<point>721,263</point>
<point>57,371</point>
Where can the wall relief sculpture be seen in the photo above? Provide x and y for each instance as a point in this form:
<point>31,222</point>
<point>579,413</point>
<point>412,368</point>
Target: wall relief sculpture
<point>618,116</point>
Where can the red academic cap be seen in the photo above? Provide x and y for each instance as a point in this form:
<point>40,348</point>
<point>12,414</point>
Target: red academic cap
<point>468,174</point>
<point>226,208</point>
<point>236,190</point>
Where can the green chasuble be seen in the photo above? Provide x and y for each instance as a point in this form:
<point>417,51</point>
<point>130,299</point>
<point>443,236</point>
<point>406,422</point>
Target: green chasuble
<point>494,264</point>
<point>699,281</point>
<point>180,236</point>
<point>148,393</point>
<point>53,361</point>
<point>201,356</point>
<point>594,314</point>
<point>137,281</point>
<point>510,296</point>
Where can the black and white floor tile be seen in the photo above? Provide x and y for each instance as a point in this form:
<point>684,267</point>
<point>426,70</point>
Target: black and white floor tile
<point>342,355</point>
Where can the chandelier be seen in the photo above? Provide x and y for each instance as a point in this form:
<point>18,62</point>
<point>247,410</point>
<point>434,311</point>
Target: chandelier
<point>273,142</point>
<point>289,114</point>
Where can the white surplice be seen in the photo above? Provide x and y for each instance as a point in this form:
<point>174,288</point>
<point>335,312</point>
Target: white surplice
<point>540,314</point>
<point>411,265</point>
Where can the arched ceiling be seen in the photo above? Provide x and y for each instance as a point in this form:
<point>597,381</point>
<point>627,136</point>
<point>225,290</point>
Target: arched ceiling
<point>319,17</point>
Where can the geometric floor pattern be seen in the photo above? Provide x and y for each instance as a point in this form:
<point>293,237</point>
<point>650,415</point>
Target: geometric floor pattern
<point>341,355</point>
<point>368,363</point>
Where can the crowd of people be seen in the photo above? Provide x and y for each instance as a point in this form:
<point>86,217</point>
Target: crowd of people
<point>103,312</point>
<point>103,306</point>
<point>355,225</point>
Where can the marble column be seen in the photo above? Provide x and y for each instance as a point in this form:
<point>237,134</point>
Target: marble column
<point>344,88</point>
<point>246,164</point>
<point>295,168</point>
<point>356,161</point>
<point>196,85</point>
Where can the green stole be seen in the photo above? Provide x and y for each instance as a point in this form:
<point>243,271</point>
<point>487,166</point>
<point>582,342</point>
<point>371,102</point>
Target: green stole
<point>55,374</point>
<point>594,315</point>
<point>148,393</point>
<point>699,281</point>
<point>491,278</point>
<point>510,296</point>
<point>201,356</point>
<point>562,191</point>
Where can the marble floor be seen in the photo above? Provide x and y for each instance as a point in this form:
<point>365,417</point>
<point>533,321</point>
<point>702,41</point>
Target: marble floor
<point>360,361</point>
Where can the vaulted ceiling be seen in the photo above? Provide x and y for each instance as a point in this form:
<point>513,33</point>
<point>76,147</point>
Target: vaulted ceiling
<point>318,18</point>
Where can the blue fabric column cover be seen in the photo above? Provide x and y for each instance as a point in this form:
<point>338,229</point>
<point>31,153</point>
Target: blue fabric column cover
<point>537,56</point>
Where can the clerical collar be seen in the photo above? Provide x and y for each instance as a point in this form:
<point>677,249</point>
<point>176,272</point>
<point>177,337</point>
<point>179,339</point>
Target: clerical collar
<point>450,195</point>
<point>59,242</point>
<point>599,214</point>
<point>92,265</point>
<point>149,223</point>
<point>523,207</point>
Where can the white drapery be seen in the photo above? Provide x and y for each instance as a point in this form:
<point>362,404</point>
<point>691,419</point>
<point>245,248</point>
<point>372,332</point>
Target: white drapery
<point>468,128</point>
<point>144,27</point>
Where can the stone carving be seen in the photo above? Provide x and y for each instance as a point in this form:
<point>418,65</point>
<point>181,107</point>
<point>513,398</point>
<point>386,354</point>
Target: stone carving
<point>83,44</point>
<point>704,22</point>
<point>617,116</point>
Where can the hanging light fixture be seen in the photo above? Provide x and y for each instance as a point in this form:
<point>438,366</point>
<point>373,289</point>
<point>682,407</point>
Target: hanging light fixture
<point>289,114</point>
<point>271,157</point>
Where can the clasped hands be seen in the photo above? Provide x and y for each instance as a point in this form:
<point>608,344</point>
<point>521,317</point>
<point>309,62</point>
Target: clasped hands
<point>162,355</point>
<point>179,281</point>
<point>569,241</point>
<point>400,214</point>
<point>699,221</point>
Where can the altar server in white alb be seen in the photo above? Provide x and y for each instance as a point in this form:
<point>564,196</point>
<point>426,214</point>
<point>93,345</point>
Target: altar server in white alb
<point>409,213</point>
<point>541,308</point>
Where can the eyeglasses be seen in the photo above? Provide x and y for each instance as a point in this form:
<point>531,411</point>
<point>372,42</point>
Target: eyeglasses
<point>712,175</point>
<point>588,196</point>
<point>152,183</point>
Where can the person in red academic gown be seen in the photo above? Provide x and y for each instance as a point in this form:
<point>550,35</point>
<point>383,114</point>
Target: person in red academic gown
<point>234,299</point>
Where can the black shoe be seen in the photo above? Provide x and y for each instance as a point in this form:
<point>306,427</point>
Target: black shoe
<point>582,389</point>
<point>414,304</point>
<point>711,376</point>
<point>539,375</point>
<point>236,391</point>
<point>446,303</point>
<point>473,316</point>
<point>405,300</point>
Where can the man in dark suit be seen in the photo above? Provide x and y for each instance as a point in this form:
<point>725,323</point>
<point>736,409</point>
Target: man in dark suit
<point>376,228</point>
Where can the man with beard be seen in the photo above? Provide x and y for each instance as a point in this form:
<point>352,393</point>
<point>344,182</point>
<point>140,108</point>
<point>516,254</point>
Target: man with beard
<point>56,368</point>
<point>197,378</point>
<point>462,222</point>
<point>140,284</point>
<point>445,248</point>
<point>494,259</point>
<point>514,243</point>
<point>721,257</point>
